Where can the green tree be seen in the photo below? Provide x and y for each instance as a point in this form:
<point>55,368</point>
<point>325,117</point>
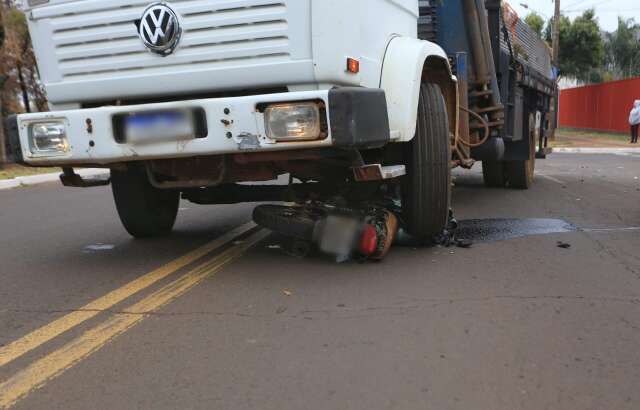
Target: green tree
<point>20,87</point>
<point>20,62</point>
<point>535,21</point>
<point>623,49</point>
<point>582,49</point>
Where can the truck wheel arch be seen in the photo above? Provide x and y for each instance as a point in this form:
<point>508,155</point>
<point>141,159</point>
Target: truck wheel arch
<point>408,63</point>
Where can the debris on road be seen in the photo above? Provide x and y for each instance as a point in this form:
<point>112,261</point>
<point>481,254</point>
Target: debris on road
<point>564,245</point>
<point>100,247</point>
<point>448,237</point>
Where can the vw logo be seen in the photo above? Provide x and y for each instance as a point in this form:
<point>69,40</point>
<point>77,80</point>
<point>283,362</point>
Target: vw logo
<point>159,29</point>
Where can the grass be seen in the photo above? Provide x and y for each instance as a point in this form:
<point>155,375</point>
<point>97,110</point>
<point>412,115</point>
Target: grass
<point>10,171</point>
<point>593,134</point>
<point>566,137</point>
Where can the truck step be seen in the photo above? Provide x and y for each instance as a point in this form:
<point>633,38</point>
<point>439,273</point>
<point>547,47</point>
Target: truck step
<point>70,179</point>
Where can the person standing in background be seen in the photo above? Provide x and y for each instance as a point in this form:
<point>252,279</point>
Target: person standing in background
<point>634,121</point>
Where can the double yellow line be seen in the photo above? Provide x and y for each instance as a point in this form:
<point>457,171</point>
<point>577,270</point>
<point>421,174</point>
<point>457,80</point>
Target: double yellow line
<point>55,363</point>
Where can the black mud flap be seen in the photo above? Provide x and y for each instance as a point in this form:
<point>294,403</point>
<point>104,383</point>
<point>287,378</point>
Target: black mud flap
<point>359,118</point>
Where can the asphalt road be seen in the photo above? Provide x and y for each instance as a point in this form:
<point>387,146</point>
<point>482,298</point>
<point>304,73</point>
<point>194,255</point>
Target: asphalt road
<point>90,318</point>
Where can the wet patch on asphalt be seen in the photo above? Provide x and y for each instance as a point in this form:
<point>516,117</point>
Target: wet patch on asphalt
<point>467,233</point>
<point>492,230</point>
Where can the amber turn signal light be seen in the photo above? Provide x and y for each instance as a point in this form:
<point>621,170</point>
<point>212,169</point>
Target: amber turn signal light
<point>353,65</point>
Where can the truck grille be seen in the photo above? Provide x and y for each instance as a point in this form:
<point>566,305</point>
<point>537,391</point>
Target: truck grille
<point>100,37</point>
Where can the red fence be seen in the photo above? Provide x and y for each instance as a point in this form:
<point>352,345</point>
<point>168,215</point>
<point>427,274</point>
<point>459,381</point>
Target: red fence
<point>601,107</point>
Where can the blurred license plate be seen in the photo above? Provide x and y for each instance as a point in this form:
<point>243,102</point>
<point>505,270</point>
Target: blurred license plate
<point>339,235</point>
<point>159,126</point>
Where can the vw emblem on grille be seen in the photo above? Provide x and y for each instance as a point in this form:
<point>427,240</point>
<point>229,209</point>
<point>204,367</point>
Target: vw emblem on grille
<point>159,29</point>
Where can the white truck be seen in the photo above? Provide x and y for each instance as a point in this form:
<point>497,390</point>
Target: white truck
<point>191,98</point>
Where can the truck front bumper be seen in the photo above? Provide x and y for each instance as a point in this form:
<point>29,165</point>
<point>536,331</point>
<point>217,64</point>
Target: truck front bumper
<point>355,118</point>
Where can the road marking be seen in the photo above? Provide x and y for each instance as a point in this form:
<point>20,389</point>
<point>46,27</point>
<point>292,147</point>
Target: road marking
<point>628,229</point>
<point>54,364</point>
<point>44,334</point>
<point>550,178</point>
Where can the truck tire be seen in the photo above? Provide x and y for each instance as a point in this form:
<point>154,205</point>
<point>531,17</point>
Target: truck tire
<point>520,173</point>
<point>426,191</point>
<point>145,211</point>
<point>493,174</point>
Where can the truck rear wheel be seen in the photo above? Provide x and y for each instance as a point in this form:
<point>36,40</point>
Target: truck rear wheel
<point>145,211</point>
<point>520,173</point>
<point>493,174</point>
<point>426,192</point>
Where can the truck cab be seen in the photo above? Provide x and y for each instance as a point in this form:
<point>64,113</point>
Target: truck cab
<point>190,98</point>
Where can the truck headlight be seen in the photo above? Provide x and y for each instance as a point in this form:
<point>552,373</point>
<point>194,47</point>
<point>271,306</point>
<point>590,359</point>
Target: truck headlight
<point>48,138</point>
<point>293,121</point>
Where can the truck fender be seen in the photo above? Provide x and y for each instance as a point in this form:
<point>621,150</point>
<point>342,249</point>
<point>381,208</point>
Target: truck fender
<point>408,63</point>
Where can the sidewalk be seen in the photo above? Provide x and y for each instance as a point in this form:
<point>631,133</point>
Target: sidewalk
<point>44,178</point>
<point>594,150</point>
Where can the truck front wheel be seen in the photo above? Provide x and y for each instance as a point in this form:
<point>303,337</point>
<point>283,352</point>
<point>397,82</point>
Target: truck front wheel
<point>145,211</point>
<point>426,192</point>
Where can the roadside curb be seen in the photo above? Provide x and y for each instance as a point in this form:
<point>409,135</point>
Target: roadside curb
<point>597,150</point>
<point>45,178</point>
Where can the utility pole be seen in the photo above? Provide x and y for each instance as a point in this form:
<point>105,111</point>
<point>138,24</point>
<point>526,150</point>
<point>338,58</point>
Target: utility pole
<point>555,60</point>
<point>556,34</point>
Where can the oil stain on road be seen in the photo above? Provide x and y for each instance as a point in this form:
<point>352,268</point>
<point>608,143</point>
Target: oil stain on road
<point>492,230</point>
